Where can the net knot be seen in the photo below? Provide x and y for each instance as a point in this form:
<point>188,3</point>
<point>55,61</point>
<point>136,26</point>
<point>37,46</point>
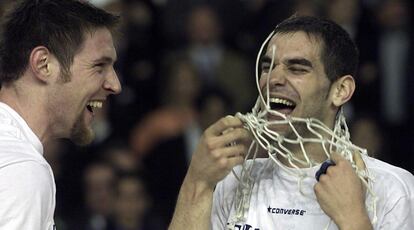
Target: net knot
<point>280,139</point>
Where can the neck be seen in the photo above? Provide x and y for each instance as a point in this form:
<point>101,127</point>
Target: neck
<point>312,152</point>
<point>30,107</point>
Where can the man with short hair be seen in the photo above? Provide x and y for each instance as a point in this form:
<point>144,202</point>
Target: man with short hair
<point>56,69</point>
<point>306,72</point>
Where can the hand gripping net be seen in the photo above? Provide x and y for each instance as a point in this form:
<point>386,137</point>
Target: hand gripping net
<point>337,140</point>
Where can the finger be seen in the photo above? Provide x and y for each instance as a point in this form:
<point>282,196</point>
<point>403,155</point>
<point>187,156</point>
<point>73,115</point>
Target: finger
<point>221,125</point>
<point>233,161</point>
<point>323,169</point>
<point>358,161</point>
<point>336,157</point>
<point>230,151</point>
<point>320,188</point>
<point>236,135</point>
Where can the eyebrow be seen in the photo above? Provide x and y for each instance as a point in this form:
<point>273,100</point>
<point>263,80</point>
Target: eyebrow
<point>292,61</point>
<point>299,61</point>
<point>104,59</point>
<point>265,59</point>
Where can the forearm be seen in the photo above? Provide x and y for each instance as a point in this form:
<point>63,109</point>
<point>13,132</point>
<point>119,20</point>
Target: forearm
<point>358,221</point>
<point>212,160</point>
<point>193,209</point>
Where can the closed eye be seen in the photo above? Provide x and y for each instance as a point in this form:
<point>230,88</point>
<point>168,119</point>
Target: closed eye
<point>100,67</point>
<point>99,64</point>
<point>297,70</point>
<point>265,67</point>
<point>265,64</point>
<point>298,66</point>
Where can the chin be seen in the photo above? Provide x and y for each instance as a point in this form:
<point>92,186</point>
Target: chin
<point>83,140</point>
<point>287,131</point>
<point>282,129</point>
<point>81,134</point>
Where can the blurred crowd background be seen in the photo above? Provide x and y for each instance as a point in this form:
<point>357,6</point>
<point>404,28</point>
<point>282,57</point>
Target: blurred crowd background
<point>184,64</point>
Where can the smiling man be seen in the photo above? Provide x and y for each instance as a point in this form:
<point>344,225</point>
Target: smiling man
<point>56,62</point>
<point>306,72</point>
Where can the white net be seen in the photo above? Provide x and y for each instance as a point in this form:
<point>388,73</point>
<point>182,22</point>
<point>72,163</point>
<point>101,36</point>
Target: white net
<point>305,132</point>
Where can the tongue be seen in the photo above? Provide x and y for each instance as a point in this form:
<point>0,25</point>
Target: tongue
<point>285,110</point>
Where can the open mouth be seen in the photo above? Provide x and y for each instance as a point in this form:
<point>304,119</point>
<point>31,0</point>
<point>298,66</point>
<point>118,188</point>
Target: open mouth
<point>92,105</point>
<point>282,105</point>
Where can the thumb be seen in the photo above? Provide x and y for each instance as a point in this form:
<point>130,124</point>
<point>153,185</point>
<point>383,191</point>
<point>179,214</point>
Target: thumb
<point>358,160</point>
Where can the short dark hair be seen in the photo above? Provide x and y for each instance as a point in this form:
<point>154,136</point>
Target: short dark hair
<point>339,53</point>
<point>59,25</point>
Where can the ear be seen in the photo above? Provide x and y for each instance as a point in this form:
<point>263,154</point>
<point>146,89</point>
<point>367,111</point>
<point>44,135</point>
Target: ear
<point>342,90</point>
<point>42,63</point>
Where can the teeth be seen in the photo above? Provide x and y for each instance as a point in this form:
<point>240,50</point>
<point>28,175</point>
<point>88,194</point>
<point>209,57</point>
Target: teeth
<point>281,101</point>
<point>95,104</point>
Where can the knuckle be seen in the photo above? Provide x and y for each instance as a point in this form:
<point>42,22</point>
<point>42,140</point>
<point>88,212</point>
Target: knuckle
<point>240,133</point>
<point>215,154</point>
<point>323,179</point>
<point>343,164</point>
<point>330,170</point>
<point>339,162</point>
<point>222,163</point>
<point>239,160</point>
<point>225,120</point>
<point>246,132</point>
<point>242,149</point>
<point>228,130</point>
<point>210,145</point>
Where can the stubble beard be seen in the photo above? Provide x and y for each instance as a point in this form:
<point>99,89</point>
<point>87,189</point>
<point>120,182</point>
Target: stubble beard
<point>81,134</point>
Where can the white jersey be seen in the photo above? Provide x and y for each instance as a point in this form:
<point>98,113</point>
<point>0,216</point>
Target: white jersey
<point>27,187</point>
<point>277,201</point>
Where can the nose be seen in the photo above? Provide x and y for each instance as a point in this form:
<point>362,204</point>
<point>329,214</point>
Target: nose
<point>276,77</point>
<point>112,83</point>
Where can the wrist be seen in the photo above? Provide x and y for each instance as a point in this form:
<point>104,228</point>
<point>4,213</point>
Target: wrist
<point>195,187</point>
<point>359,220</point>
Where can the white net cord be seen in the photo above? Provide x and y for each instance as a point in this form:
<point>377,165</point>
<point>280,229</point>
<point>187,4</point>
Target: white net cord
<point>278,146</point>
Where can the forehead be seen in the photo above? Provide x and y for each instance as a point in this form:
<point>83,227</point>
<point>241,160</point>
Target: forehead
<point>97,44</point>
<point>295,44</point>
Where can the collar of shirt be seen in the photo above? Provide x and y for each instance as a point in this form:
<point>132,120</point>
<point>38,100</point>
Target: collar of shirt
<point>21,124</point>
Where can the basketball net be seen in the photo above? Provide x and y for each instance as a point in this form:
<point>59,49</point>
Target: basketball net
<point>276,145</point>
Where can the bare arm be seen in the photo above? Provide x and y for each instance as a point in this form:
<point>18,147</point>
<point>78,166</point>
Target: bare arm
<point>341,195</point>
<point>193,208</point>
<point>211,162</point>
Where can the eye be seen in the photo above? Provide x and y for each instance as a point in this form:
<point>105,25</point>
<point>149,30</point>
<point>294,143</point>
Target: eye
<point>99,67</point>
<point>265,66</point>
<point>297,70</point>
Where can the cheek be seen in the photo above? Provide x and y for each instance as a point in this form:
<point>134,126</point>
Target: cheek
<point>263,81</point>
<point>318,98</point>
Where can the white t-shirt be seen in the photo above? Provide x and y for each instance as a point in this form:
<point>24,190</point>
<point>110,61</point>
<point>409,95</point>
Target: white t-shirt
<point>277,203</point>
<point>27,187</point>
